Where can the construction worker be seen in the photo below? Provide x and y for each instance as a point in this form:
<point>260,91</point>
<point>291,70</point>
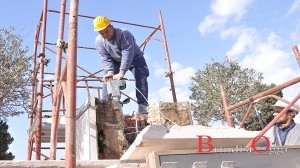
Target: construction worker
<point>285,132</point>
<point>119,53</point>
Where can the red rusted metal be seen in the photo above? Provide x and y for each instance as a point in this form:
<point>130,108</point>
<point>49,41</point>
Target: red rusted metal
<point>274,120</point>
<point>246,115</point>
<point>91,17</point>
<point>87,88</point>
<point>262,98</point>
<point>33,87</point>
<point>56,107</point>
<point>45,96</point>
<point>225,105</point>
<point>278,98</point>
<point>70,155</point>
<point>297,54</point>
<point>64,88</point>
<point>143,45</point>
<point>40,89</point>
<point>51,90</point>
<point>265,93</point>
<point>100,79</point>
<point>170,72</point>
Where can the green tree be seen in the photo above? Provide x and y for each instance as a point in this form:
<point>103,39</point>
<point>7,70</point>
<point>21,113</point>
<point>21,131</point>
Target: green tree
<point>14,74</point>
<point>5,141</point>
<point>264,109</point>
<point>239,84</point>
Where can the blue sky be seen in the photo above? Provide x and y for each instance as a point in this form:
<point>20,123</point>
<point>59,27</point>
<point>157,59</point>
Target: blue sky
<point>260,34</point>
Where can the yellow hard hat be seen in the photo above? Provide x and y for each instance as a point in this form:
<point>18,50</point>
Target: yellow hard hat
<point>100,23</point>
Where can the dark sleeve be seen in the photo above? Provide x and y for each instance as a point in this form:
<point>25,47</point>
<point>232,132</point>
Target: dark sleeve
<point>127,50</point>
<point>105,58</point>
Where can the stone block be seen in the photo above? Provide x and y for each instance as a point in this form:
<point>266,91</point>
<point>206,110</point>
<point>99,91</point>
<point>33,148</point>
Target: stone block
<point>178,113</point>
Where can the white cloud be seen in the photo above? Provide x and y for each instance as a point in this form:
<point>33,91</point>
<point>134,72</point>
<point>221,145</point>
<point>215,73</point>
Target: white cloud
<point>182,75</point>
<point>235,8</point>
<point>162,94</point>
<point>263,53</point>
<point>296,35</point>
<point>181,79</point>
<point>222,11</point>
<point>159,70</point>
<point>165,94</point>
<point>268,58</point>
<point>275,63</point>
<point>210,24</point>
<point>245,39</point>
<point>293,8</point>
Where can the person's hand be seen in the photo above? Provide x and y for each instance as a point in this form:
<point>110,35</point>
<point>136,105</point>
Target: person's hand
<point>118,76</point>
<point>109,75</point>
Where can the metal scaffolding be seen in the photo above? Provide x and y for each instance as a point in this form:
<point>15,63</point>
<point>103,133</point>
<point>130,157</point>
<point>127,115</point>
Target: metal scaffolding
<point>62,90</point>
<point>261,96</point>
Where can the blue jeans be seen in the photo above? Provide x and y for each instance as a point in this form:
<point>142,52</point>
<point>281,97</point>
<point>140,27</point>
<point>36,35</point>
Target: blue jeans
<point>140,72</point>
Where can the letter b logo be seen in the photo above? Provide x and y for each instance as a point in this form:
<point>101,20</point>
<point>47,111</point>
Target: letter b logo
<point>207,143</point>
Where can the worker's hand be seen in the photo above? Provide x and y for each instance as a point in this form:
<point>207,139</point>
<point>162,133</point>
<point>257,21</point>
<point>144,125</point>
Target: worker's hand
<point>118,76</point>
<point>108,75</point>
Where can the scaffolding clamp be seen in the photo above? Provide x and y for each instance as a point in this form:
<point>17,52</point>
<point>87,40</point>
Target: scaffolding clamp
<point>168,74</point>
<point>45,61</point>
<point>62,44</point>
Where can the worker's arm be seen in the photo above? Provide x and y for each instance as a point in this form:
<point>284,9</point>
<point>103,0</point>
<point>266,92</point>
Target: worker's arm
<point>106,59</point>
<point>127,50</point>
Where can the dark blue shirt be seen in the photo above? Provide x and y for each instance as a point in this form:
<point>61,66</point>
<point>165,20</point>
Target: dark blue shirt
<point>283,132</point>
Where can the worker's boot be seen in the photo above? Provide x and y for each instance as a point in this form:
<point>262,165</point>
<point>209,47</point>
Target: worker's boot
<point>142,109</point>
<point>141,114</point>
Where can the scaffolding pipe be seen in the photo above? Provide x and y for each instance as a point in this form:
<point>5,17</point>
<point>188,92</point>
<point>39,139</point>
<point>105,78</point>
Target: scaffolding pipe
<point>100,79</point>
<point>279,98</point>
<point>262,132</point>
<point>268,92</point>
<point>87,89</point>
<point>297,54</point>
<point>40,93</point>
<point>55,112</point>
<point>246,115</point>
<point>70,155</point>
<point>170,72</point>
<point>225,105</point>
<point>63,77</point>
<point>33,86</point>
<point>148,38</point>
<point>51,90</point>
<point>92,17</point>
<point>66,86</point>
<point>265,97</point>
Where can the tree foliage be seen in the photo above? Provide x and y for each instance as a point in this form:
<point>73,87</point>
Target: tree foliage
<point>14,73</point>
<point>262,109</point>
<point>5,141</point>
<point>239,84</point>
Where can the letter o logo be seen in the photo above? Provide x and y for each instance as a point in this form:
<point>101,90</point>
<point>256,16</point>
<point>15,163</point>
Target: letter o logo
<point>255,139</point>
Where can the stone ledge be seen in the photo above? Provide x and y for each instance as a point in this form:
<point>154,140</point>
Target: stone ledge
<point>57,164</point>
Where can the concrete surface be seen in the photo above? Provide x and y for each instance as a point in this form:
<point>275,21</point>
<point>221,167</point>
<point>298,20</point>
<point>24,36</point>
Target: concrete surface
<point>56,164</point>
<point>79,164</point>
<point>172,137</point>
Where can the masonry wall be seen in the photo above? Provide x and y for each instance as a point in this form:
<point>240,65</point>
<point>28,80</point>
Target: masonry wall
<point>86,131</point>
<point>170,113</point>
